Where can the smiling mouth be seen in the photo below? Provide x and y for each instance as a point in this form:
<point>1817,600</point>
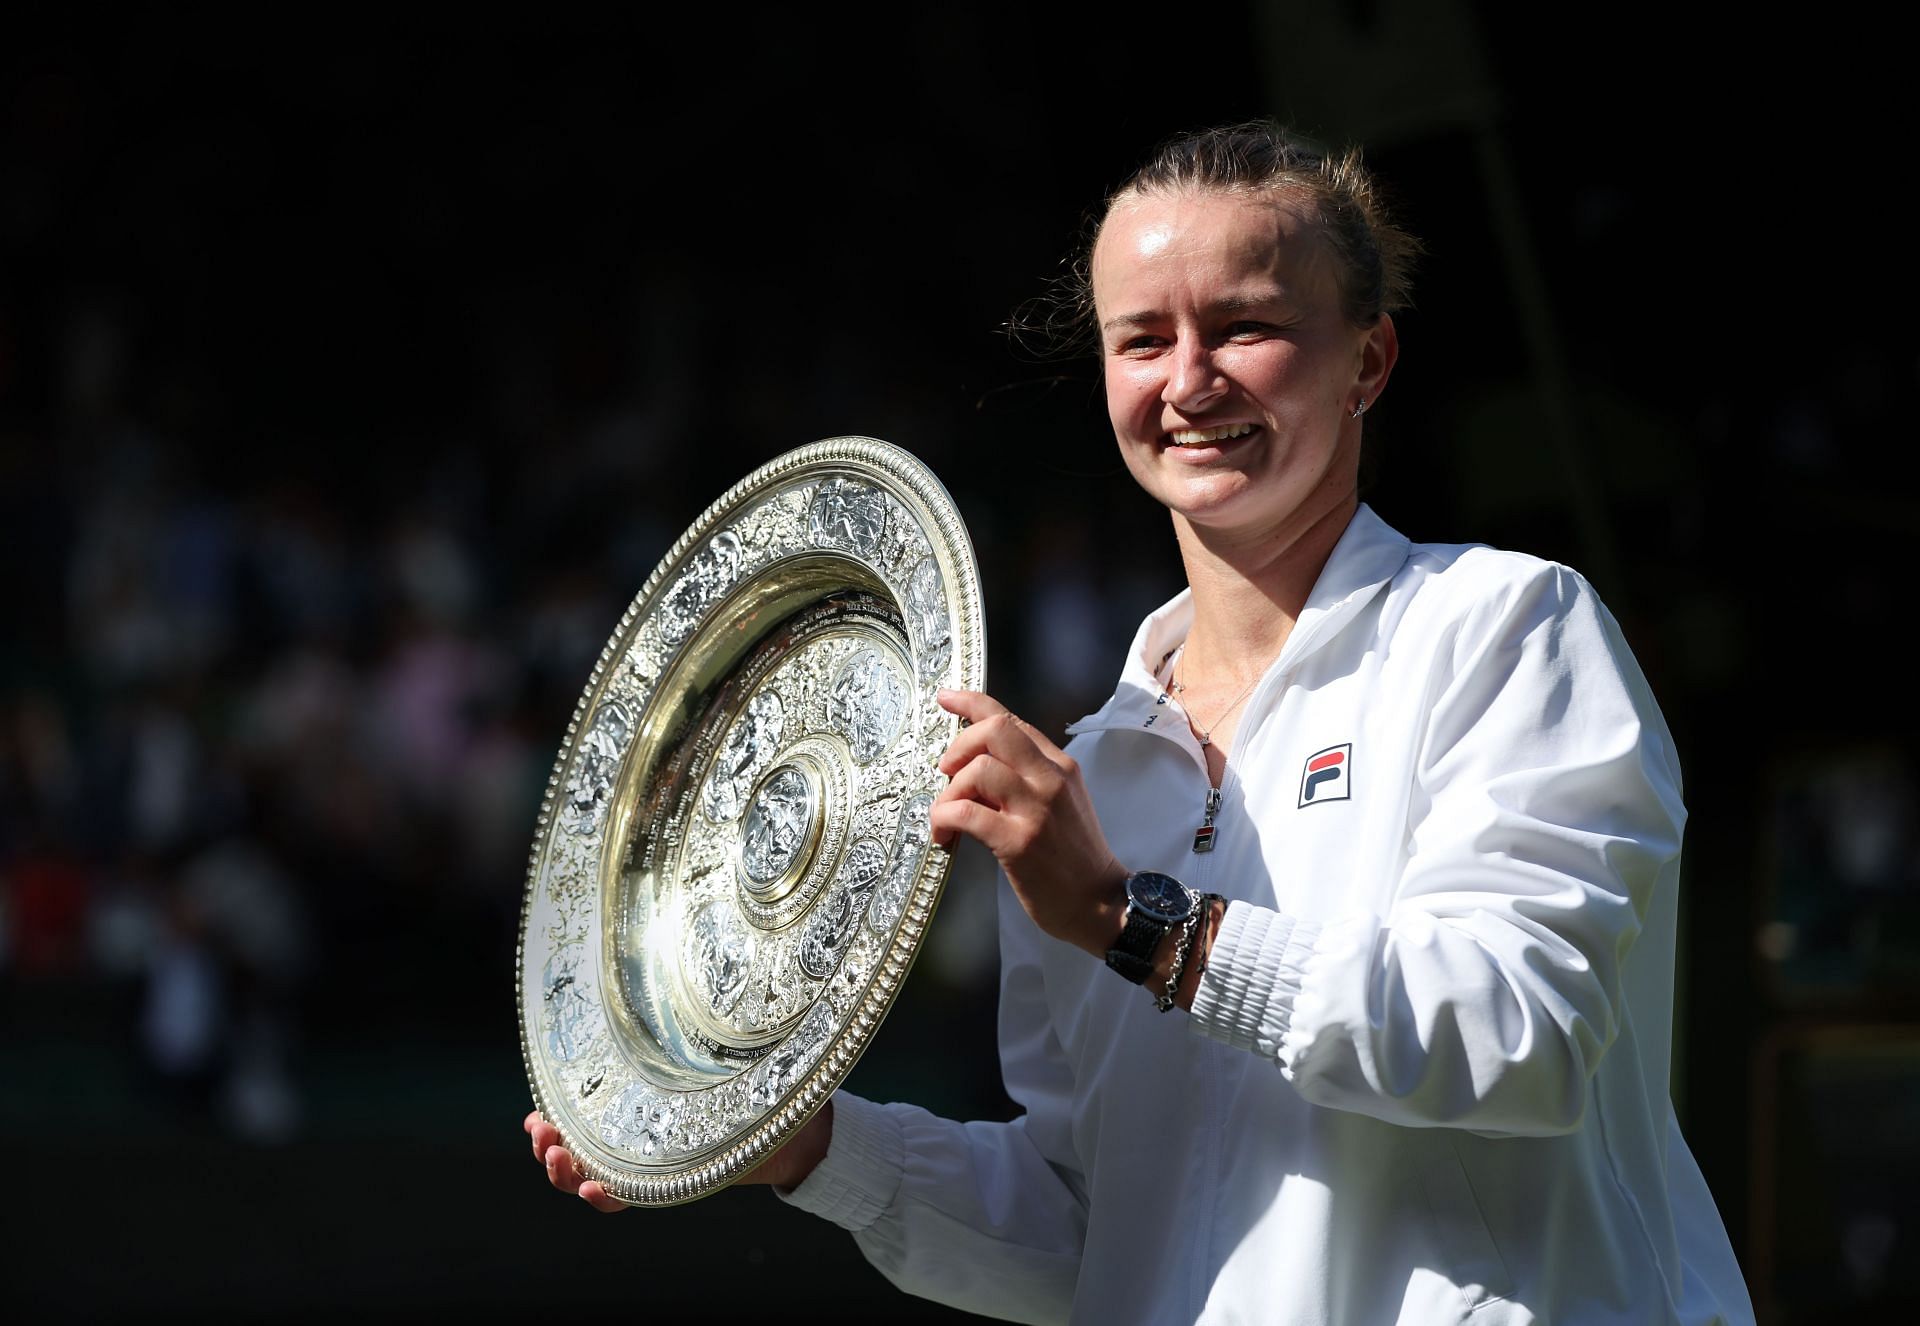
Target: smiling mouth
<point>1200,437</point>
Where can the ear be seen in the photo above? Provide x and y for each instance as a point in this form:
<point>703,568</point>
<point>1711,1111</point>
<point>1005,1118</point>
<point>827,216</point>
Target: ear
<point>1378,354</point>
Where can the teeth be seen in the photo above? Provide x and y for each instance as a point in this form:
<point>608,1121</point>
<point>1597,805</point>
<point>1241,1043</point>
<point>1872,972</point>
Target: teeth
<point>1193,437</point>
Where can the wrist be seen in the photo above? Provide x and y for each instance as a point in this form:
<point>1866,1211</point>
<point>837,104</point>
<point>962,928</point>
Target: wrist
<point>1109,914</point>
<point>787,1168</point>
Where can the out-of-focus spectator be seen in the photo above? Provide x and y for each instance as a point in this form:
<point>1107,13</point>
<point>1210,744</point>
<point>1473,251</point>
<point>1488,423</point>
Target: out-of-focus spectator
<point>184,1010</point>
<point>251,913</point>
<point>303,580</point>
<point>47,892</point>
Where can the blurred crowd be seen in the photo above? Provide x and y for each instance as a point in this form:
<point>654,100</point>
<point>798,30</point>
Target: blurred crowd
<point>265,733</point>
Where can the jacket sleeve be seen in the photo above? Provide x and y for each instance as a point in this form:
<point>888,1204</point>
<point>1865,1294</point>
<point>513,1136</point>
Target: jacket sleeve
<point>1544,815</point>
<point>986,1217</point>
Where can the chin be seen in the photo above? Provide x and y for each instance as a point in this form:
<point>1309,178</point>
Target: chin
<point>1222,513</point>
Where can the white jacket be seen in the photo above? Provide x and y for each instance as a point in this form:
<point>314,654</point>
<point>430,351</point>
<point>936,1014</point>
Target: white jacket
<point>1430,1076</point>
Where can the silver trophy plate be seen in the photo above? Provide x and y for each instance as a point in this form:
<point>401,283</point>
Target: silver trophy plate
<point>732,870</point>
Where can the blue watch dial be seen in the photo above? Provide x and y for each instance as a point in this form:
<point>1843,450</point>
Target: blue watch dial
<point>1160,896</point>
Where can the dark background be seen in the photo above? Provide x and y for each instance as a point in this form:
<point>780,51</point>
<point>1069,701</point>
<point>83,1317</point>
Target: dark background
<point>354,374</point>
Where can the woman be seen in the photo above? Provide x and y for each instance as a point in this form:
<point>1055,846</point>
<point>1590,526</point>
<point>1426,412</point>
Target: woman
<point>1397,825</point>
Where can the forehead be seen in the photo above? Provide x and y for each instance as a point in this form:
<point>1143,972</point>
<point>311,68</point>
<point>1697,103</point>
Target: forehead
<point>1150,240</point>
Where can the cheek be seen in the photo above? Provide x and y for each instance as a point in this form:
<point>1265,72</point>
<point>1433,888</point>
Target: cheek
<point>1139,465</point>
<point>1119,399</point>
<point>1129,392</point>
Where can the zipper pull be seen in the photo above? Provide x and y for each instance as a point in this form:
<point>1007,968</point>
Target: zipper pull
<point>1203,836</point>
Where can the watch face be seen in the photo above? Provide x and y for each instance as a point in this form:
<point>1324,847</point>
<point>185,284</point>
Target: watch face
<point>1160,896</point>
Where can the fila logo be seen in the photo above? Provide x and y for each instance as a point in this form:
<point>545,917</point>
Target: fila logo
<point>1328,776</point>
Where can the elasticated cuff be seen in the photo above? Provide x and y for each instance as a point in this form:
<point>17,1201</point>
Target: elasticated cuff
<point>1246,994</point>
<point>858,1178</point>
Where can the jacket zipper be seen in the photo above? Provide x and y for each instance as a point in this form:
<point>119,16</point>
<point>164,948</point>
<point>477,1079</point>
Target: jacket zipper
<point>1203,836</point>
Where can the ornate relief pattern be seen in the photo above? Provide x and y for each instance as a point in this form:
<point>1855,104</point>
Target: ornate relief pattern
<point>595,768</point>
<point>707,578</point>
<point>927,618</point>
<point>869,701</point>
<point>847,515</point>
<point>749,747</point>
<point>572,1003</point>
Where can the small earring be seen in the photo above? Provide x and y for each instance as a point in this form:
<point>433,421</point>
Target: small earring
<point>1360,409</point>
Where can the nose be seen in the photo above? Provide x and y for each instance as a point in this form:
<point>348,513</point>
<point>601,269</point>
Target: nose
<point>1194,381</point>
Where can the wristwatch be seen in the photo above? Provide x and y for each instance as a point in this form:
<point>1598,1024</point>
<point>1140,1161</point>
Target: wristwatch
<point>1156,903</point>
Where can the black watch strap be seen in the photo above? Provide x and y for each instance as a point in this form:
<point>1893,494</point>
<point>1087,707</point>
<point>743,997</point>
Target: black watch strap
<point>1132,954</point>
<point>1141,933</point>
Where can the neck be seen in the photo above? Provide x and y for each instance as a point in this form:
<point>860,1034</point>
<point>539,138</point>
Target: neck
<point>1249,587</point>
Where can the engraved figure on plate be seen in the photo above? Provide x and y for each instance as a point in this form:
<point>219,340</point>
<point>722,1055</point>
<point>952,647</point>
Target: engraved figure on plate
<point>720,951</point>
<point>707,577</point>
<point>827,928</point>
<point>788,1064</point>
<point>644,1120</point>
<point>595,768</point>
<point>926,607</point>
<point>571,1007</point>
<point>889,901</point>
<point>777,825</point>
<point>847,515</point>
<point>868,702</point>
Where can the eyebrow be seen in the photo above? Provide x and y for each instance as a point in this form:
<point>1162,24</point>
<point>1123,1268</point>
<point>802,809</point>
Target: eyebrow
<point>1229,304</point>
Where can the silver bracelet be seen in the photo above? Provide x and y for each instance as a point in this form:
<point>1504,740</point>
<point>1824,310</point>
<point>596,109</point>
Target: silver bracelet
<point>1164,1002</point>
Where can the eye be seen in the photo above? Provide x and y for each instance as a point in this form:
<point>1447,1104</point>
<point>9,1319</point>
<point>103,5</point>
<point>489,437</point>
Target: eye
<point>1247,330</point>
<point>1139,344</point>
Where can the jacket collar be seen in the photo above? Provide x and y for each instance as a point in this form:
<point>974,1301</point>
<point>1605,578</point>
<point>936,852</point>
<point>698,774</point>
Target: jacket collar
<point>1369,554</point>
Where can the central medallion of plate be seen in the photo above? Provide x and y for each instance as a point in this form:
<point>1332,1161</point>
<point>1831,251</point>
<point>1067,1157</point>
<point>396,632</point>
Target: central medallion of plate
<point>780,831</point>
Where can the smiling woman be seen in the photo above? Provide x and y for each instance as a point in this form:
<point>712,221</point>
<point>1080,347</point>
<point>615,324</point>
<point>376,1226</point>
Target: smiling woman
<point>1398,825</point>
<point>1234,379</point>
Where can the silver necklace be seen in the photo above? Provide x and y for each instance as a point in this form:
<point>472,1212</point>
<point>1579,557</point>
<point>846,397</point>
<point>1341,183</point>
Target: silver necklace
<point>1204,836</point>
<point>1179,688</point>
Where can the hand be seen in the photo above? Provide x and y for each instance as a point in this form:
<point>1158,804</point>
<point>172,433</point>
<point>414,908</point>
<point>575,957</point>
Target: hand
<point>561,1172</point>
<point>785,1168</point>
<point>1024,798</point>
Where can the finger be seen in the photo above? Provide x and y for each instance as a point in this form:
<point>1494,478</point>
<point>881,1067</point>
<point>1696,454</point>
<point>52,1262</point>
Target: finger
<point>971,786</point>
<point>970,705</point>
<point>967,743</point>
<point>545,1138</point>
<point>986,780</point>
<point>1017,744</point>
<point>599,1199</point>
<point>953,818</point>
<point>560,1171</point>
